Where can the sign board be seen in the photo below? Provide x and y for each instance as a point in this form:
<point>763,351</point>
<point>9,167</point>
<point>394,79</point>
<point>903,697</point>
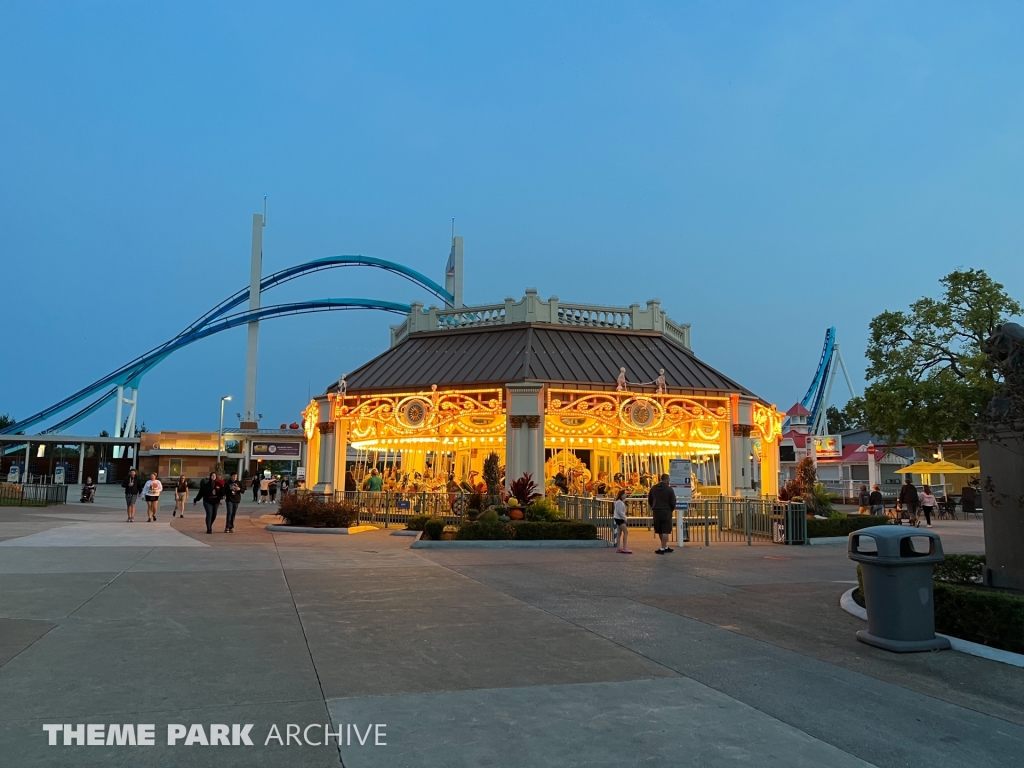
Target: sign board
<point>14,473</point>
<point>58,475</point>
<point>263,450</point>
<point>680,477</point>
<point>828,446</point>
<point>300,473</point>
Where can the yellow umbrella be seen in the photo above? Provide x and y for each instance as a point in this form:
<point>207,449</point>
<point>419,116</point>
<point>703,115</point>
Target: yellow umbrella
<point>917,468</point>
<point>949,468</point>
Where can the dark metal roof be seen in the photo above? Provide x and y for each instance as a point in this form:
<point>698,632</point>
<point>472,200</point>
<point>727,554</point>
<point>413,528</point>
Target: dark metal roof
<point>539,352</point>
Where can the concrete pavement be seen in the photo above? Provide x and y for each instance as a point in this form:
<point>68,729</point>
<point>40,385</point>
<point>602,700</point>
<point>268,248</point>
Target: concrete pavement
<point>721,656</point>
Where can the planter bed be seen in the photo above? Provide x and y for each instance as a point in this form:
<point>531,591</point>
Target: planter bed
<point>353,529</point>
<point>843,526</point>
<point>511,544</point>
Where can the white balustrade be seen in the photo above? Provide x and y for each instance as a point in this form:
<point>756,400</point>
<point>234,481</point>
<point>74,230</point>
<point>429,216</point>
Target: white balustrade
<point>532,309</point>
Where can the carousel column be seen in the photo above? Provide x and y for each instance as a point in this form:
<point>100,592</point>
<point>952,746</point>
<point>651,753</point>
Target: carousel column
<point>524,432</point>
<point>325,467</point>
<point>739,448</point>
<point>769,468</point>
<point>340,452</point>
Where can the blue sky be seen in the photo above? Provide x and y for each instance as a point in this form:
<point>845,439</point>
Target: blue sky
<point>765,169</point>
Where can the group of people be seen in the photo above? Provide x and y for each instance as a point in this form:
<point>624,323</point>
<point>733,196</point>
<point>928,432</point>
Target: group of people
<point>661,499</point>
<point>264,488</point>
<point>212,491</point>
<point>910,501</point>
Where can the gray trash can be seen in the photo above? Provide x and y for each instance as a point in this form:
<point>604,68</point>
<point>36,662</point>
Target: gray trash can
<point>896,566</point>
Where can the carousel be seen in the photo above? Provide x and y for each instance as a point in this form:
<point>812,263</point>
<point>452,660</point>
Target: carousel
<point>584,399</point>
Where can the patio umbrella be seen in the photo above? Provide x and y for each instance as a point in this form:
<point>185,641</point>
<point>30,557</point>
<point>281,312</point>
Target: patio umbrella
<point>949,468</point>
<point>917,468</point>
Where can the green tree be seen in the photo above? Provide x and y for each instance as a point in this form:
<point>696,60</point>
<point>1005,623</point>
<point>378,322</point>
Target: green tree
<point>842,419</point>
<point>5,420</point>
<point>928,377</point>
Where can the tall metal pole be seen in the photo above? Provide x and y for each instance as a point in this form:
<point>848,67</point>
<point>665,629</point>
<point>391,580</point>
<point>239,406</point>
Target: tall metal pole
<point>220,431</point>
<point>251,352</point>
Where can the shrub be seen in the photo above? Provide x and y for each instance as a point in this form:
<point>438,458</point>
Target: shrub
<point>821,500</point>
<point>434,528</point>
<point>987,616</point>
<point>817,529</point>
<point>481,531</point>
<point>308,511</point>
<point>960,569</point>
<point>543,511</point>
<point>492,474</point>
<point>524,490</point>
<point>571,530</point>
<point>843,526</point>
<point>490,517</point>
<point>416,522</point>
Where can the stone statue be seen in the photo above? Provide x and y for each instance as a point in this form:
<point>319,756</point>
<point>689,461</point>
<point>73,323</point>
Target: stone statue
<point>621,383</point>
<point>342,386</point>
<point>660,382</point>
<point>1005,348</point>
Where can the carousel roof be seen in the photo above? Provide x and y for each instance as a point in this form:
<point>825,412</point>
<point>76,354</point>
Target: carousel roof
<point>494,356</point>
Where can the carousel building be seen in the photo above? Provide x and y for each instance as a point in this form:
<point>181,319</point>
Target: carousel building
<point>576,394</point>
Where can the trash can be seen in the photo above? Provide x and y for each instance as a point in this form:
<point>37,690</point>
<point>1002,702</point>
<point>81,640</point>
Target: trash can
<point>896,567</point>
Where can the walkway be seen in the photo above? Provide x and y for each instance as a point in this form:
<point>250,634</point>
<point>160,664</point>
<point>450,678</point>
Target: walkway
<point>706,657</point>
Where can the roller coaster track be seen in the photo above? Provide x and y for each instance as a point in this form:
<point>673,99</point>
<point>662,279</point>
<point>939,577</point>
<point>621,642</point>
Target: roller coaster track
<point>218,320</point>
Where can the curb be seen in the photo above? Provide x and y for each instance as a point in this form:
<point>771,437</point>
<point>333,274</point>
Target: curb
<point>847,603</point>
<point>406,532</point>
<point>337,531</point>
<point>829,540</point>
<point>513,544</point>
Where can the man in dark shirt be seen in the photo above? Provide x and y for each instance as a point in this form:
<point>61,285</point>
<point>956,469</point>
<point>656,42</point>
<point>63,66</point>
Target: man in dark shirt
<point>909,500</point>
<point>662,501</point>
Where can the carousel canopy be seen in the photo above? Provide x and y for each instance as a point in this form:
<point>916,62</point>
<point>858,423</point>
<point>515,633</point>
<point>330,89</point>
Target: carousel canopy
<point>537,352</point>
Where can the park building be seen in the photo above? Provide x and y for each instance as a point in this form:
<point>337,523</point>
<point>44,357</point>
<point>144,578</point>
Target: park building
<point>573,394</point>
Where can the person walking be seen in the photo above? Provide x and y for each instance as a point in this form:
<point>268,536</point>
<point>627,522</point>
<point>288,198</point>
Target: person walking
<point>132,488</point>
<point>273,489</point>
<point>151,493</point>
<point>264,489</point>
<point>180,496</point>
<point>876,502</point>
<point>928,504</point>
<point>256,488</point>
<point>908,498</point>
<point>211,492</point>
<point>286,484</point>
<point>864,497</point>
<point>619,517</point>
<point>662,501</point>
<point>232,498</point>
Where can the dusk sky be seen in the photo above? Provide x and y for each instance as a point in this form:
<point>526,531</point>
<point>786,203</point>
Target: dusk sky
<point>765,169</point>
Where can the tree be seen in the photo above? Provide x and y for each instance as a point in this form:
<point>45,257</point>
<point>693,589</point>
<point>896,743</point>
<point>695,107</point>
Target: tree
<point>842,419</point>
<point>5,420</point>
<point>929,378</point>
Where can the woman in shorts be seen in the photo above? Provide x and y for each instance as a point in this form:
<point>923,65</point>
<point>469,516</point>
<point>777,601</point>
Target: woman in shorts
<point>151,493</point>
<point>619,516</point>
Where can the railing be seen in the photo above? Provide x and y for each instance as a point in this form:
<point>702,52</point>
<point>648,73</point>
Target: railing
<point>532,309</point>
<point>394,508</point>
<point>718,519</point>
<point>17,495</point>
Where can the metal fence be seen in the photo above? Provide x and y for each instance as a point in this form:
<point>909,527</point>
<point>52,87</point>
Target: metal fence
<point>715,520</point>
<point>19,495</point>
<point>394,508</point>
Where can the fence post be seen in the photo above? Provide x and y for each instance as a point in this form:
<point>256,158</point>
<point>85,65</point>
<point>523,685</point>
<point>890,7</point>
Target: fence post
<point>707,532</point>
<point>746,520</point>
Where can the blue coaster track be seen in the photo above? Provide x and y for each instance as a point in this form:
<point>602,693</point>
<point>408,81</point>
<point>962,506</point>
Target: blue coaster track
<point>814,400</point>
<point>218,319</point>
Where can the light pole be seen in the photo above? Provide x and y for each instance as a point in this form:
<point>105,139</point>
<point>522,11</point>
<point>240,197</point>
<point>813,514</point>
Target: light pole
<point>220,431</point>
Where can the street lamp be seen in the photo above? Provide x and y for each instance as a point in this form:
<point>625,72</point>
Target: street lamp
<point>220,430</point>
